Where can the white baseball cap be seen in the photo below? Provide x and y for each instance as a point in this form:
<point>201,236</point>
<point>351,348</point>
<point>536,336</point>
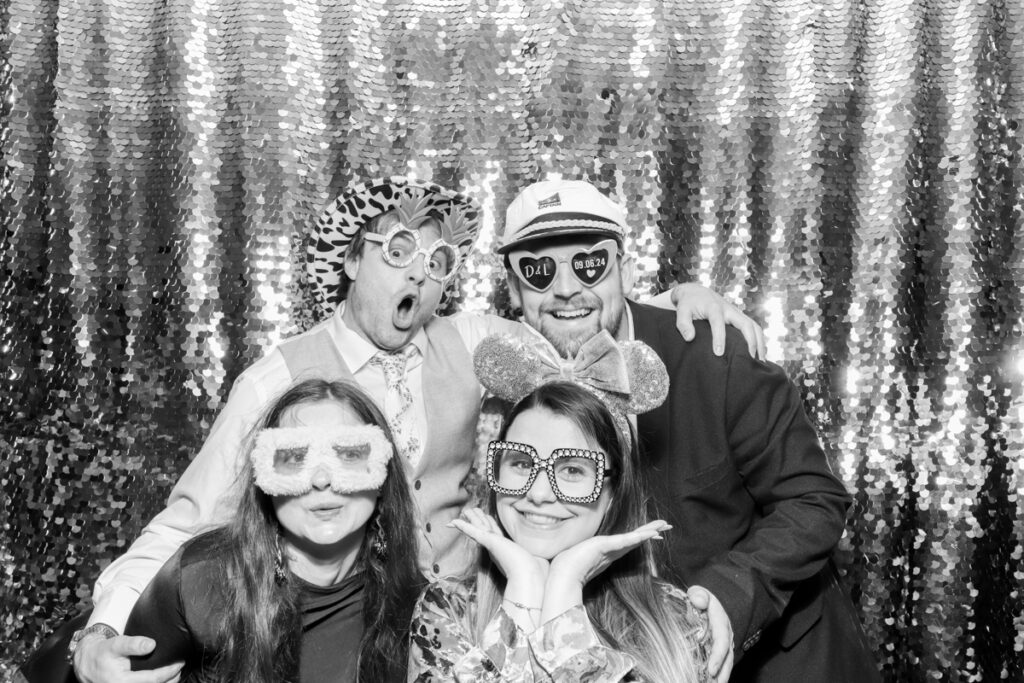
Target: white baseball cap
<point>561,207</point>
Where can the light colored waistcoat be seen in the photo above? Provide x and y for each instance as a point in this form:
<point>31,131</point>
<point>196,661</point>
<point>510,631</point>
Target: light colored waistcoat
<point>452,402</point>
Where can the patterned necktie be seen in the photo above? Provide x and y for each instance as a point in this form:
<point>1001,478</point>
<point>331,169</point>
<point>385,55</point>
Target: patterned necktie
<point>398,401</point>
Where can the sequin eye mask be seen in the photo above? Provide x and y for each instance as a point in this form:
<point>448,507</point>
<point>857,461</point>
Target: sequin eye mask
<point>589,266</point>
<point>287,459</point>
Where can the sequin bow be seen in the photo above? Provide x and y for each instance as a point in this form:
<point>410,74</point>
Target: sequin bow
<point>598,364</point>
<point>628,376</point>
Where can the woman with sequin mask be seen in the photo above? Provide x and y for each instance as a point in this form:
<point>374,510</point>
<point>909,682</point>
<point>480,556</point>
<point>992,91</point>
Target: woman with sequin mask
<point>314,578</point>
<point>564,589</point>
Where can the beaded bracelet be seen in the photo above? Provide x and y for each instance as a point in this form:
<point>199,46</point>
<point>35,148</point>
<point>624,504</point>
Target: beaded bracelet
<point>521,605</point>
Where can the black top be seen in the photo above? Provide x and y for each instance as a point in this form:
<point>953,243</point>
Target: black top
<point>181,608</point>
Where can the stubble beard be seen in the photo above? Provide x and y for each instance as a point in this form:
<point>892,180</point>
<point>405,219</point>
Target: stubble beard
<point>568,345</point>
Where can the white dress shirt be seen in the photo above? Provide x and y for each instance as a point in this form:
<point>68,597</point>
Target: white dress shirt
<point>204,498</point>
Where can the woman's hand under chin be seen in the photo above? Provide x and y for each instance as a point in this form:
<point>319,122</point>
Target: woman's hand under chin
<point>525,573</point>
<point>574,567</point>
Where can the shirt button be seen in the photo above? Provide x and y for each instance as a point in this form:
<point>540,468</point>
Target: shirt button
<point>417,485</point>
<point>437,569</point>
<point>428,527</point>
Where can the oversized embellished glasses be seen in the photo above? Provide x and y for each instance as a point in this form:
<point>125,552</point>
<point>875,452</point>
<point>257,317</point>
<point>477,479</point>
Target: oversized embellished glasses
<point>286,459</point>
<point>588,266</point>
<point>576,475</point>
<point>400,246</point>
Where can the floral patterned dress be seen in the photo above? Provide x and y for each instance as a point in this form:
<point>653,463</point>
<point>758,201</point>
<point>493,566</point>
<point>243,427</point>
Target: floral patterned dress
<point>565,649</point>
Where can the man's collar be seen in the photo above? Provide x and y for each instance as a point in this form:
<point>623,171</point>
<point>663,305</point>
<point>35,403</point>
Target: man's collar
<point>355,350</point>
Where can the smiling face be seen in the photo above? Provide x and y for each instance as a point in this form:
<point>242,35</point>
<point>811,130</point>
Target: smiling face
<point>386,305</point>
<point>537,520</point>
<point>321,522</point>
<point>570,312</point>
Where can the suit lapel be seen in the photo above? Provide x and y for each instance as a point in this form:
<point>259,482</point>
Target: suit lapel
<point>644,326</point>
<point>652,427</point>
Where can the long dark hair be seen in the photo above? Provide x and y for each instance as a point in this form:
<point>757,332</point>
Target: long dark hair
<point>630,612</point>
<point>261,630</point>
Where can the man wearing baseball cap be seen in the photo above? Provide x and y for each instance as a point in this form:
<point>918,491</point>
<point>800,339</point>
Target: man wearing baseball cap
<point>381,256</point>
<point>731,459</point>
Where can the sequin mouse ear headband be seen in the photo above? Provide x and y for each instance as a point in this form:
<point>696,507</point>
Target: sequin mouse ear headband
<point>627,376</point>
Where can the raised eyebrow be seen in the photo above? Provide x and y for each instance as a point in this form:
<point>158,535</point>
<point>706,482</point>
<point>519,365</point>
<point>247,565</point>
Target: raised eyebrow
<point>415,235</point>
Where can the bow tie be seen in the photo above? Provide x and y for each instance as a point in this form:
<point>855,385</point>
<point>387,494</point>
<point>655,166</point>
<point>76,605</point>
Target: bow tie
<point>598,364</point>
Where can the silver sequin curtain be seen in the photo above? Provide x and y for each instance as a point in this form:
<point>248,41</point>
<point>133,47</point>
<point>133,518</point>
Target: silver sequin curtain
<point>849,172</point>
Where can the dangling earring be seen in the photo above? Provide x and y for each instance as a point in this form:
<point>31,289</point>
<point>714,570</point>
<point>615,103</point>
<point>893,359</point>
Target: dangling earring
<point>280,572</point>
<point>379,543</point>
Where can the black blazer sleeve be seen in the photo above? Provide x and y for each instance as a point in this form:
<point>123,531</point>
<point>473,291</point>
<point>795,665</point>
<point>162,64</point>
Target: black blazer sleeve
<point>161,614</point>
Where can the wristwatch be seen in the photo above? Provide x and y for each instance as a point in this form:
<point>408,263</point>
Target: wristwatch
<point>77,636</point>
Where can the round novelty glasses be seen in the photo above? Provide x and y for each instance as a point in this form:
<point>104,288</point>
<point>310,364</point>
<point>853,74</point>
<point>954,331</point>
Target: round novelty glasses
<point>575,475</point>
<point>589,266</point>
<point>400,246</point>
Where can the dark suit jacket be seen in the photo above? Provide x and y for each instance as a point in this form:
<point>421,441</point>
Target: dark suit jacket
<point>733,463</point>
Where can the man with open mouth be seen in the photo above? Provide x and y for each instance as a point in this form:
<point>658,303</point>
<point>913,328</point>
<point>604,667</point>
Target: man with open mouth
<point>380,259</point>
<point>731,459</point>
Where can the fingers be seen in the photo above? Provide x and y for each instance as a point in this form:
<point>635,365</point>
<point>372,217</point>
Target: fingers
<point>482,520</point>
<point>752,332</point>
<point>762,343</point>
<point>165,674</point>
<point>467,529</point>
<point>694,302</point>
<point>631,539</point>
<point>726,670</point>
<point>100,659</point>
<point>657,526</point>
<point>478,525</point>
<point>700,597</point>
<point>747,328</point>
<point>721,652</point>
<point>754,336</point>
<point>721,657</point>
<point>587,559</point>
<point>684,322</point>
<point>490,523</point>
<point>716,319</point>
<point>109,660</point>
<point>131,646</point>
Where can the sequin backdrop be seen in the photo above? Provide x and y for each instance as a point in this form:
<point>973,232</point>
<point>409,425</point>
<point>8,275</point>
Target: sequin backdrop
<point>849,172</point>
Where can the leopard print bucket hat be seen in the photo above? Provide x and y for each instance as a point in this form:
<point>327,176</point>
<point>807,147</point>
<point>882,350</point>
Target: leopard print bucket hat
<point>346,216</point>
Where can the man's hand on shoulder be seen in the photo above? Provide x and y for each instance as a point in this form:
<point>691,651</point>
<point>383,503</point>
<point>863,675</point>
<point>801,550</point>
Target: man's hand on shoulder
<point>695,302</point>
<point>99,659</point>
<point>721,658</point>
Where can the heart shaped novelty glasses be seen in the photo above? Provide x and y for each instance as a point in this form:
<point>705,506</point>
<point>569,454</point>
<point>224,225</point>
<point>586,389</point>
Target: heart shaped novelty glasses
<point>589,266</point>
